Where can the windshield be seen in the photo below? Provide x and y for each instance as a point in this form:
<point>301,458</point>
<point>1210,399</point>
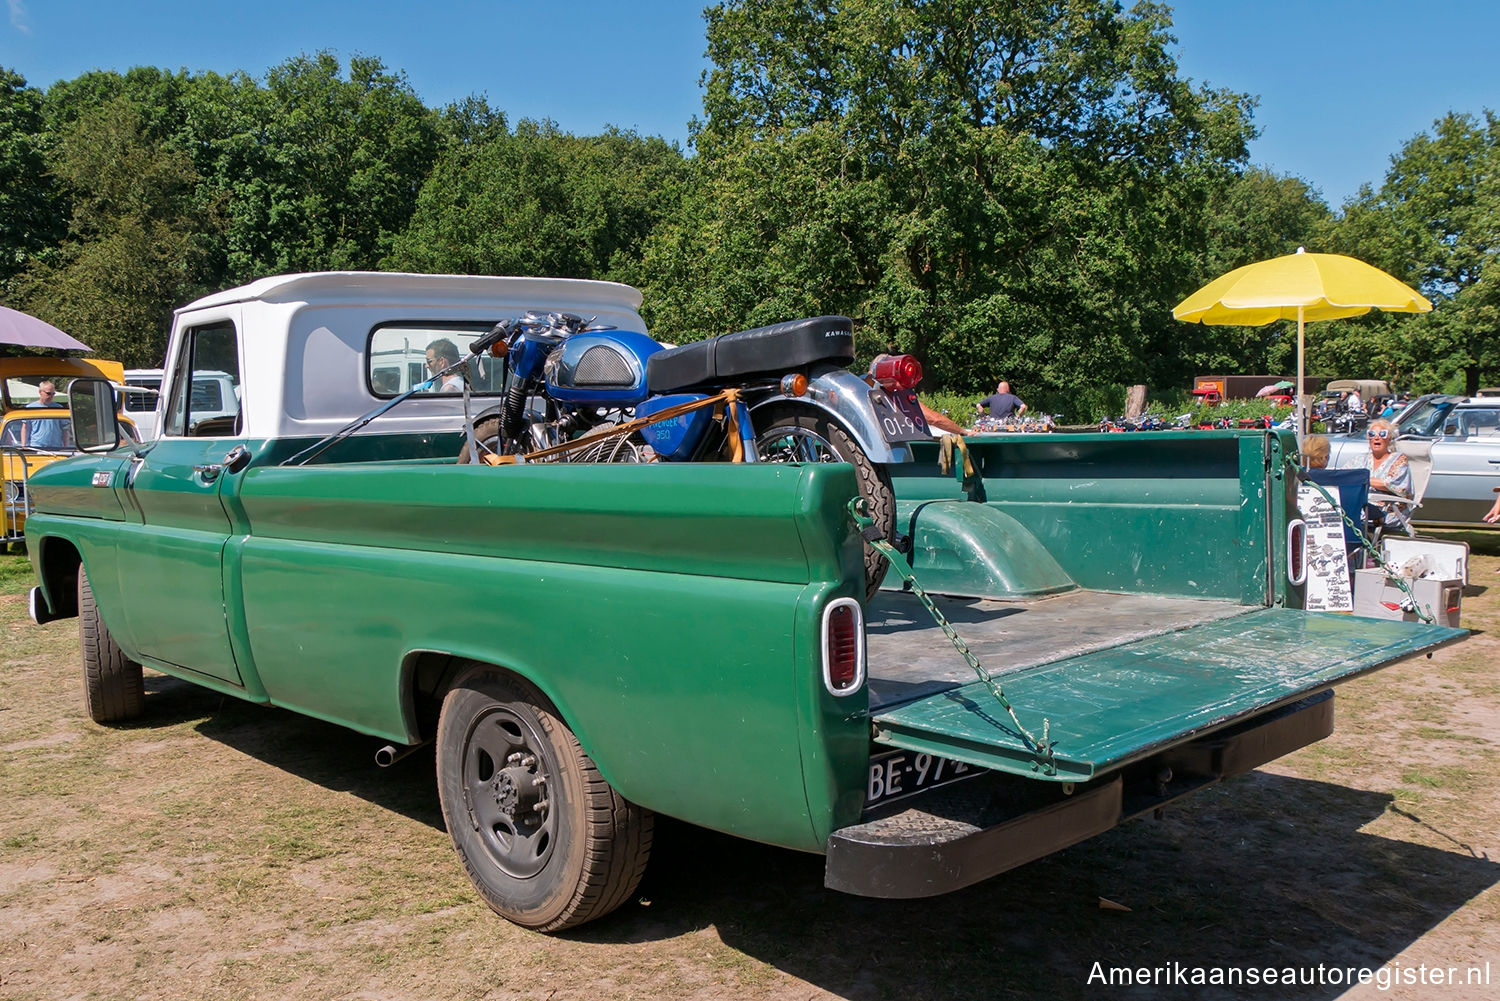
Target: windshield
<point>38,432</point>
<point>1425,418</point>
<point>26,391</point>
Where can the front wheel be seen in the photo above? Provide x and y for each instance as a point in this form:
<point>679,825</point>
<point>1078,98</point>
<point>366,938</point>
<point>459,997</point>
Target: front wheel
<point>113,684</point>
<point>796,435</point>
<point>546,841</point>
<point>487,436</point>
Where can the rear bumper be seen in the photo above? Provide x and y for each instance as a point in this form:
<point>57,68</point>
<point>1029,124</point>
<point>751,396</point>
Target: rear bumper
<point>958,835</point>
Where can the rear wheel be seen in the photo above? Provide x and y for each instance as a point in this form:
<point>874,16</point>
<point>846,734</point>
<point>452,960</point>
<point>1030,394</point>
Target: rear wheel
<point>113,686</point>
<point>546,841</point>
<point>788,435</point>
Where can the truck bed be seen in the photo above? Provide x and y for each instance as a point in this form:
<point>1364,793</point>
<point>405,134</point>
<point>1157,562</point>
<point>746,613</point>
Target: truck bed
<point>908,657</point>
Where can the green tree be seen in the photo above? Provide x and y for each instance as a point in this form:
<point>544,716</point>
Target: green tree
<point>317,171</point>
<point>1009,189</point>
<point>1435,223</point>
<point>1258,215</point>
<point>137,240</point>
<point>541,202</point>
<point>32,215</point>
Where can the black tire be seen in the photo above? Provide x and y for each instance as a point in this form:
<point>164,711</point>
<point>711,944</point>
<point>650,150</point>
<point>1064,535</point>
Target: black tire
<point>487,434</point>
<point>800,435</point>
<point>546,841</point>
<point>113,687</point>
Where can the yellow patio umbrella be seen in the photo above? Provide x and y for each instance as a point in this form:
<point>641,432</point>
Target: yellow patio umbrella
<point>1299,287</point>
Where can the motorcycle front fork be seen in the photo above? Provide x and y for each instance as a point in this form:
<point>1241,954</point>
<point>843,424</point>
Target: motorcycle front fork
<point>746,431</point>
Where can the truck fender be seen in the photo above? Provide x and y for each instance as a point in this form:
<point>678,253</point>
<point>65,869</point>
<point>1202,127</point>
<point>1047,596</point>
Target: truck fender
<point>427,675</point>
<point>57,573</point>
<point>843,396</point>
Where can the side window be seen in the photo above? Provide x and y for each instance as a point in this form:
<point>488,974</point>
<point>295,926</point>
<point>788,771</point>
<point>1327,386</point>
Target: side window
<point>403,356</point>
<point>205,397</point>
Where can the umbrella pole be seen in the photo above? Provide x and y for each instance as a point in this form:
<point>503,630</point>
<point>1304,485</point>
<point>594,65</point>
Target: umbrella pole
<point>1303,425</point>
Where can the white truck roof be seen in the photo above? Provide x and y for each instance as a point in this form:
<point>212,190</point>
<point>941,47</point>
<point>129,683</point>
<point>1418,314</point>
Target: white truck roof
<point>374,286</point>
<point>305,338</point>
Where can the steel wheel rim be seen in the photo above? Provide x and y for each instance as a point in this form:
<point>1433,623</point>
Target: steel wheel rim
<point>508,770</point>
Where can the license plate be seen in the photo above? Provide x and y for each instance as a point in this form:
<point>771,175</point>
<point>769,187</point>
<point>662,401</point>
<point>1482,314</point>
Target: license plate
<point>897,774</point>
<point>900,416</point>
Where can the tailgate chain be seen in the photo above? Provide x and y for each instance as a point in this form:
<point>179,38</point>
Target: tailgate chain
<point>1041,749</point>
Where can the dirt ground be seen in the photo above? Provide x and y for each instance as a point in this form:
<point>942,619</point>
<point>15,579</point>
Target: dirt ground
<point>222,850</point>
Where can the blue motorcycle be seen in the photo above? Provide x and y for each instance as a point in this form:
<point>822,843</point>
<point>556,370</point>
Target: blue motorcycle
<point>569,384</point>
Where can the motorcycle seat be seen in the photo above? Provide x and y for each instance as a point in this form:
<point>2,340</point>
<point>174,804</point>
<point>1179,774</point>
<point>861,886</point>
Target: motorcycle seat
<point>762,351</point>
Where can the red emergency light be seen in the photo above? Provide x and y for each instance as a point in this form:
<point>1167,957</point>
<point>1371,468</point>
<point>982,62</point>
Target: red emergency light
<point>896,372</point>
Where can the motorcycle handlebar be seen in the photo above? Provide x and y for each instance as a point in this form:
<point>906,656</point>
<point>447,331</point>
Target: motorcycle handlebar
<point>498,331</point>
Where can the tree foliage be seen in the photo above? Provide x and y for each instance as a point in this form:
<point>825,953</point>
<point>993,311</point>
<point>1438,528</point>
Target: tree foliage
<point>540,201</point>
<point>1013,190</point>
<point>976,184</point>
<point>137,239</point>
<point>1434,223</point>
<point>318,172</point>
<point>32,216</point>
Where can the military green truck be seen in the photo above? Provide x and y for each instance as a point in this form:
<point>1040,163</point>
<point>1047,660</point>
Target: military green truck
<point>591,644</point>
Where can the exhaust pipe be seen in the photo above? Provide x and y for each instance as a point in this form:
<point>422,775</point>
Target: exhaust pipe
<point>390,753</point>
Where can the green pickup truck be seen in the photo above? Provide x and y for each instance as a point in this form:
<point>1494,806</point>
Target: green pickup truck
<point>591,644</point>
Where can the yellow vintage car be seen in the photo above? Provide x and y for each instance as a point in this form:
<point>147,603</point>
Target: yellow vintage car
<point>35,427</point>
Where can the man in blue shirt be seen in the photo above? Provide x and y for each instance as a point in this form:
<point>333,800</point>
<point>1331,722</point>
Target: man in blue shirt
<point>44,432</point>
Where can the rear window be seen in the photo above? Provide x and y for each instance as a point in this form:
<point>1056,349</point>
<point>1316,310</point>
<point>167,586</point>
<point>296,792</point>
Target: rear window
<point>140,403</point>
<point>207,395</point>
<point>402,356</point>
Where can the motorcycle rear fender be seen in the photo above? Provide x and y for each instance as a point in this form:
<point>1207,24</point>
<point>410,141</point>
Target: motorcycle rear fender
<point>845,398</point>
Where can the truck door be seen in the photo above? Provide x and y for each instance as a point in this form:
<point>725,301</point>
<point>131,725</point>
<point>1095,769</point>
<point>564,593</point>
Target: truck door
<point>171,563</point>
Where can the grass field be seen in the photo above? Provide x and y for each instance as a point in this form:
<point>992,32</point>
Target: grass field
<point>217,849</point>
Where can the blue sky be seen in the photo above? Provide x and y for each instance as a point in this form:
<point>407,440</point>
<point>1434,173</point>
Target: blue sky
<point>1342,83</point>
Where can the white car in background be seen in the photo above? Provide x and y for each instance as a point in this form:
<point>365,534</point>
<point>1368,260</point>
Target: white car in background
<point>214,395</point>
<point>1465,436</point>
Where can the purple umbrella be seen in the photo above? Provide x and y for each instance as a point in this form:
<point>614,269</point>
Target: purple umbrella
<point>27,331</point>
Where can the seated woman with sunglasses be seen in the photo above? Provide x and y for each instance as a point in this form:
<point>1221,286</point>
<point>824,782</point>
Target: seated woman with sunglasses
<point>1388,473</point>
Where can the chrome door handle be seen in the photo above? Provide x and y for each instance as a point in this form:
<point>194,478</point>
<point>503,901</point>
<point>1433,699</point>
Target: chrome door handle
<point>235,459</point>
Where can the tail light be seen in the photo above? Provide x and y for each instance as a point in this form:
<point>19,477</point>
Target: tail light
<point>1296,551</point>
<point>896,372</point>
<point>843,646</point>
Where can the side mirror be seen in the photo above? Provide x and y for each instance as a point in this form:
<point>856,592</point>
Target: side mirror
<point>96,424</point>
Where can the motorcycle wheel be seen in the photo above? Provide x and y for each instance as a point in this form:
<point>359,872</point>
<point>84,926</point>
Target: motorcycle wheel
<point>487,434</point>
<point>789,435</point>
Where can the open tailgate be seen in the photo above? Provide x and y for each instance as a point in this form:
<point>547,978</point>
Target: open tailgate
<point>1110,707</point>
